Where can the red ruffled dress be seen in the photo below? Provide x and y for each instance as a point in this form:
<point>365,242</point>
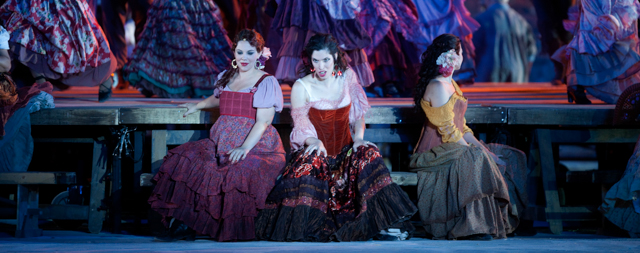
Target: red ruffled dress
<point>198,185</point>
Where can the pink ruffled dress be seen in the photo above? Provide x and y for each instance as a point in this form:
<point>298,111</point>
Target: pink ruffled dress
<point>200,187</point>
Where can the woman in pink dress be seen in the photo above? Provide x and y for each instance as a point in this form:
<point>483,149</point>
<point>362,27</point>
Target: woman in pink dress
<point>60,41</point>
<point>336,186</point>
<point>216,186</point>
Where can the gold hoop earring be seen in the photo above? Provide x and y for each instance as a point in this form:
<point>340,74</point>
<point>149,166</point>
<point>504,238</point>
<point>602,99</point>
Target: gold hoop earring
<point>234,64</point>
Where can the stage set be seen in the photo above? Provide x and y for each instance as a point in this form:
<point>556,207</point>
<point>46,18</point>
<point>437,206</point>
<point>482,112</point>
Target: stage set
<point>526,136</point>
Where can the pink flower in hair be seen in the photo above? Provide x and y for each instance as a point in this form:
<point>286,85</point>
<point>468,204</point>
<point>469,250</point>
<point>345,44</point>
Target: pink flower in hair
<point>447,62</point>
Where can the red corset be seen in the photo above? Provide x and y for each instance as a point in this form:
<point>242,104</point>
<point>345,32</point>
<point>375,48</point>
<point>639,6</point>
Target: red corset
<point>332,127</point>
<point>239,103</point>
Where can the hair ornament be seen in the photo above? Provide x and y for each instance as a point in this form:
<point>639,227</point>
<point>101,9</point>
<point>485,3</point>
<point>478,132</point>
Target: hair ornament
<point>447,61</point>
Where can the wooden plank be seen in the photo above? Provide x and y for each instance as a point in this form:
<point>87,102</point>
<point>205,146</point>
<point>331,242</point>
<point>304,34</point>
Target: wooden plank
<point>560,116</point>
<point>28,178</point>
<point>115,209</point>
<point>547,167</point>
<point>64,212</point>
<point>393,135</point>
<point>158,149</point>
<point>76,116</point>
<point>63,140</point>
<point>27,224</point>
<point>138,153</point>
<point>98,171</point>
<point>179,137</point>
<point>595,136</point>
<point>166,115</point>
<point>376,115</point>
<point>596,177</point>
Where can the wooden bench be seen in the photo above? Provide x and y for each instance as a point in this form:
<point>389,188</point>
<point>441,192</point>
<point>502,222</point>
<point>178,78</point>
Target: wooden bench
<point>28,182</point>
<point>28,211</point>
<point>544,156</point>
<point>163,138</point>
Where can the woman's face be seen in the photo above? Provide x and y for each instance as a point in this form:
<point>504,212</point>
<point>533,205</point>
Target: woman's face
<point>459,63</point>
<point>323,63</point>
<point>246,56</point>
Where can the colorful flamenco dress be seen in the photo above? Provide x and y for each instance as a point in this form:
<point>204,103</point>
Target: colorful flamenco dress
<point>198,185</point>
<point>60,39</point>
<point>622,202</point>
<point>181,50</point>
<point>603,55</point>
<point>392,53</point>
<point>461,190</point>
<point>345,196</point>
<point>449,16</point>
<point>298,20</point>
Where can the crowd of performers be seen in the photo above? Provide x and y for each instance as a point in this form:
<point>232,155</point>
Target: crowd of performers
<point>182,46</point>
<point>236,185</point>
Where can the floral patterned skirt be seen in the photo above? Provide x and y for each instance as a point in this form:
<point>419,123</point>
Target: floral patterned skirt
<point>181,50</point>
<point>60,39</point>
<point>349,197</point>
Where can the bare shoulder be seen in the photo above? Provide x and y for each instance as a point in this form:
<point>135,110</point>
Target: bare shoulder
<point>437,93</point>
<point>299,95</point>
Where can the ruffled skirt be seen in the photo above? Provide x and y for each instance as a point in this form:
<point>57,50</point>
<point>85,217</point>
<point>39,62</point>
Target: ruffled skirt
<point>461,191</point>
<point>198,185</point>
<point>67,44</point>
<point>606,75</point>
<point>349,197</point>
<point>298,20</point>
<point>181,51</point>
<point>622,202</point>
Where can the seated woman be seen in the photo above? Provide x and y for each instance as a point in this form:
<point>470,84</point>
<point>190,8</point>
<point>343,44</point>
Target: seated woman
<point>336,186</point>
<point>462,192</point>
<point>215,186</point>
<point>16,143</point>
<point>60,41</point>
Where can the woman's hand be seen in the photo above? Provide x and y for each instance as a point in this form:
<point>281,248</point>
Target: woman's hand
<point>317,145</point>
<point>191,108</point>
<point>360,142</point>
<point>497,159</point>
<point>237,154</point>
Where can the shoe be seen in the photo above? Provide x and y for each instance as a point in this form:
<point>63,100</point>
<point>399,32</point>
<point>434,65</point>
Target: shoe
<point>578,95</point>
<point>477,237</point>
<point>178,231</point>
<point>104,93</point>
<point>145,92</point>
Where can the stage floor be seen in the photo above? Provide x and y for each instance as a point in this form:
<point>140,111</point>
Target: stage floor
<point>72,241</point>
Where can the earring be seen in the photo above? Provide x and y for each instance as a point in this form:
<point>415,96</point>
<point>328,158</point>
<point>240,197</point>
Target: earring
<point>312,70</point>
<point>234,64</point>
<point>259,65</point>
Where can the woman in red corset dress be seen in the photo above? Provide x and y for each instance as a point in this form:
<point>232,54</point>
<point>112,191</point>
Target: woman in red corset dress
<point>336,186</point>
<point>215,186</point>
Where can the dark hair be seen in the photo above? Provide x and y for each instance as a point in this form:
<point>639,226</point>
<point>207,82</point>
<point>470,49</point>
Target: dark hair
<point>429,68</point>
<point>319,42</point>
<point>8,93</point>
<point>254,39</point>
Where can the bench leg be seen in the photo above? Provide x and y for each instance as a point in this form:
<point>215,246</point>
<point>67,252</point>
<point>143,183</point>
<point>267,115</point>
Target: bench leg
<point>96,212</point>
<point>27,224</point>
<point>158,149</point>
<point>553,209</point>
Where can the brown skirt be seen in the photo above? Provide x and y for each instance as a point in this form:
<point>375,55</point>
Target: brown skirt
<point>462,192</point>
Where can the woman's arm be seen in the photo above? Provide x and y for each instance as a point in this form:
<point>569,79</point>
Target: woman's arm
<point>303,133</point>
<point>209,102</point>
<point>470,138</point>
<point>264,117</point>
